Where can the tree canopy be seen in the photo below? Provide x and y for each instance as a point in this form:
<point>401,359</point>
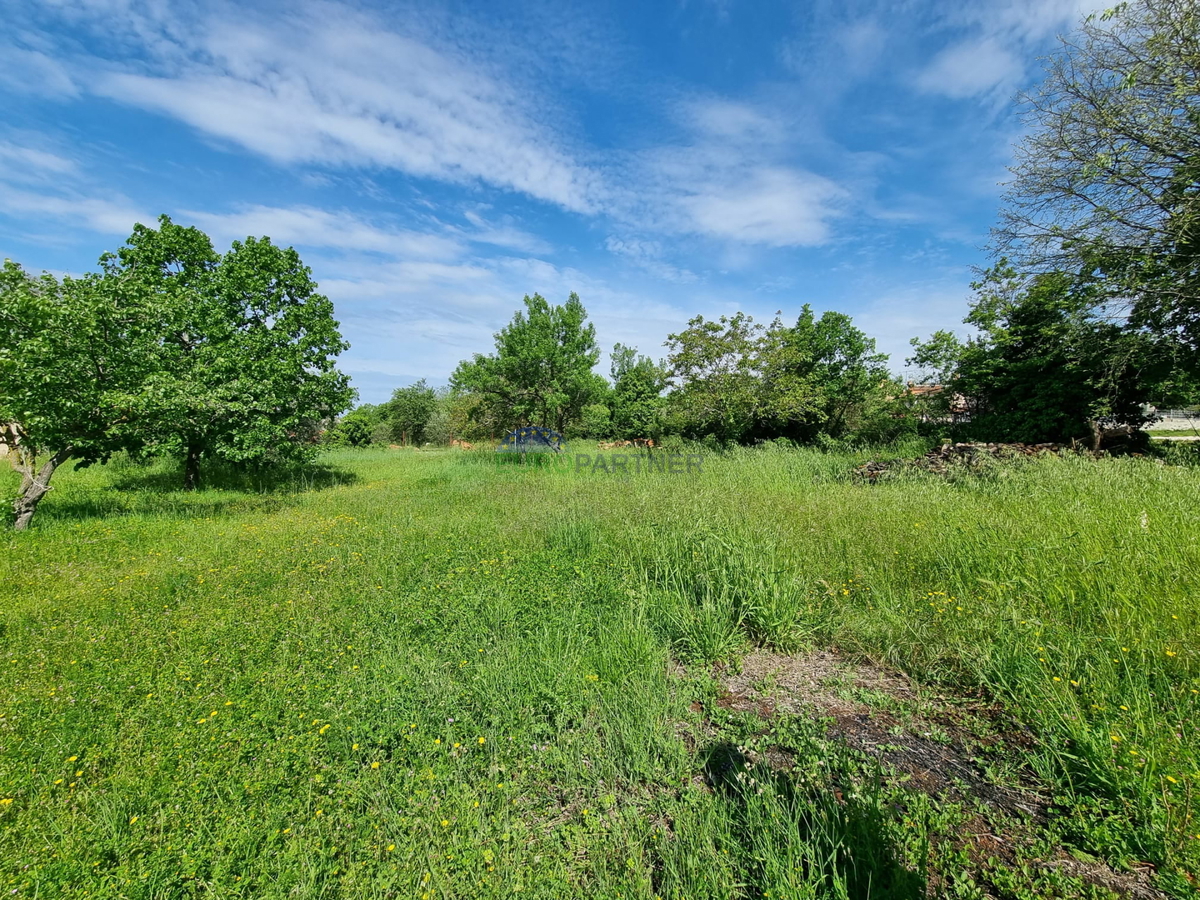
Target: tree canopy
<point>1043,365</point>
<point>738,381</point>
<point>170,348</point>
<point>541,370</point>
<point>409,411</point>
<point>1105,185</point>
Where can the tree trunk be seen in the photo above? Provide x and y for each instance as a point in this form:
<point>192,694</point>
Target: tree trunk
<point>191,468</point>
<point>1097,434</point>
<point>35,487</point>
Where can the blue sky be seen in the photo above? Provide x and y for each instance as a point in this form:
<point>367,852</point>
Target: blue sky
<point>435,162</point>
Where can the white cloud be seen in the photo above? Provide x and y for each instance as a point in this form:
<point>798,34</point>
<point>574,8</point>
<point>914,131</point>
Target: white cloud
<point>311,227</point>
<point>18,163</point>
<point>648,256</point>
<point>114,214</point>
<point>775,206</point>
<point>971,68</point>
<point>331,86</point>
<point>27,71</point>
<point>1001,41</point>
<point>504,235</point>
<point>732,181</point>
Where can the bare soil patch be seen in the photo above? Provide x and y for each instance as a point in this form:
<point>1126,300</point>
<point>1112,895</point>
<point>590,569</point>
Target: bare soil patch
<point>932,743</point>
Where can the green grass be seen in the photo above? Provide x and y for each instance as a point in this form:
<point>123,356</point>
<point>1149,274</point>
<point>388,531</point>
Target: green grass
<point>427,675</point>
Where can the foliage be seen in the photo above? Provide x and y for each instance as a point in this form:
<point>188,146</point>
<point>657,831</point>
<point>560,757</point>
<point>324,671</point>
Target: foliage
<point>819,376</point>
<point>636,399</point>
<point>595,421</point>
<point>356,428</point>
<point>738,381</point>
<point>716,379</point>
<point>541,371</point>
<point>1044,366</point>
<point>438,428</point>
<point>1105,182</point>
<point>171,348</point>
<point>408,413</point>
<point>246,371</point>
<point>75,358</point>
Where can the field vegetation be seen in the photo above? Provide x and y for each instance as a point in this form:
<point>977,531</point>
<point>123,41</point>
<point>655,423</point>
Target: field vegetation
<point>422,674</point>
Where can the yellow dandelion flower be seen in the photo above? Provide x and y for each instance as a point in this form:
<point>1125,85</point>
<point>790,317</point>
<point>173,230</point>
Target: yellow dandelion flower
<point>483,740</point>
<point>445,823</point>
<point>374,765</point>
<point>355,747</point>
<point>391,847</point>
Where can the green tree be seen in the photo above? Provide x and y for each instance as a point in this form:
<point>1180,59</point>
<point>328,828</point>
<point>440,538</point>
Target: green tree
<point>541,371</point>
<point>409,411</point>
<point>356,428</point>
<point>636,400</point>
<point>439,429</point>
<point>1105,183</point>
<point>74,360</point>
<point>738,381</point>
<point>714,367</point>
<point>246,368</point>
<point>820,376</point>
<point>1044,366</point>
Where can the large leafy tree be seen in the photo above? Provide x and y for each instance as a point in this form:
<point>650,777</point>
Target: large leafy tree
<point>408,412</point>
<point>739,381</point>
<point>636,400</point>
<point>541,370</point>
<point>1106,182</point>
<point>715,369</point>
<point>172,348</point>
<point>1044,366</point>
<point>246,370</point>
<point>74,360</point>
<point>357,428</point>
<point>819,376</point>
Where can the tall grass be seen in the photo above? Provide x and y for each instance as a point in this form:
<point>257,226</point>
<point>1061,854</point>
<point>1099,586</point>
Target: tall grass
<point>425,674</point>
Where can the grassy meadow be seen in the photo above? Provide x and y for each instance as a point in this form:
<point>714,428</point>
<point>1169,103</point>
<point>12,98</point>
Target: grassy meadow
<point>427,675</point>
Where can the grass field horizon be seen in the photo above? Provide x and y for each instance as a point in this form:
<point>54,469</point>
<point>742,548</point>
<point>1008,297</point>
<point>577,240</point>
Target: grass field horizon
<point>425,674</point>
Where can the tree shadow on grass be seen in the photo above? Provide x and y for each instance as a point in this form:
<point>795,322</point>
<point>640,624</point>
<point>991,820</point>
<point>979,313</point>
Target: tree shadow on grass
<point>127,487</point>
<point>787,832</point>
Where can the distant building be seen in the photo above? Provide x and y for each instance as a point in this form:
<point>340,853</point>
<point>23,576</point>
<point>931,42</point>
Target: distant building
<point>957,407</point>
<point>9,439</point>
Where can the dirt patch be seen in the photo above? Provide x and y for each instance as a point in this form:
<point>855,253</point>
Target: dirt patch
<point>934,744</point>
<point>927,744</point>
